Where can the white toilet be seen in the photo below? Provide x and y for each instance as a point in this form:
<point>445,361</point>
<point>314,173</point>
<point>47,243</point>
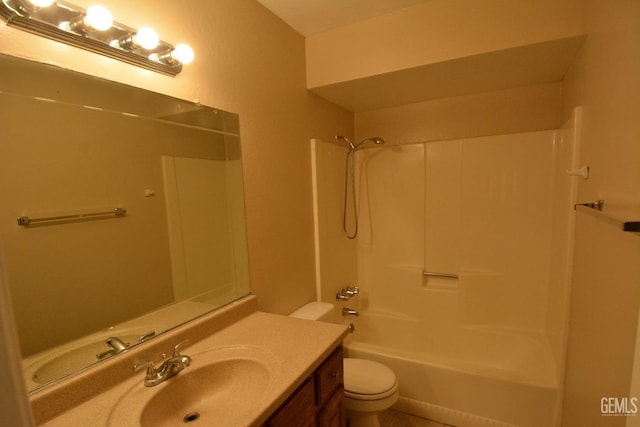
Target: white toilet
<point>369,387</point>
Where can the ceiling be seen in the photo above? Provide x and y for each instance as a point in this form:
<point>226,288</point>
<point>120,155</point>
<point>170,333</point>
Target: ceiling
<point>309,17</point>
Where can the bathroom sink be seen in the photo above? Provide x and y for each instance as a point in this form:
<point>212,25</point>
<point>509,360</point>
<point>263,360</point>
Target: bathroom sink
<point>220,387</point>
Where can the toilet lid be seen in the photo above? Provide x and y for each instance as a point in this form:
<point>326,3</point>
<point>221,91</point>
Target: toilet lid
<point>367,377</point>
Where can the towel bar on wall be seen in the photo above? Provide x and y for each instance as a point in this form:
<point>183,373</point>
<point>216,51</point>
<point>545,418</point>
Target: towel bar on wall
<point>25,220</point>
<point>595,209</point>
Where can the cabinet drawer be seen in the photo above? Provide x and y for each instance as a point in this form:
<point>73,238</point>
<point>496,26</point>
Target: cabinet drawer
<point>299,410</point>
<point>329,377</point>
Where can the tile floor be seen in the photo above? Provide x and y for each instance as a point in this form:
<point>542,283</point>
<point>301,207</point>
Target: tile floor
<point>392,418</point>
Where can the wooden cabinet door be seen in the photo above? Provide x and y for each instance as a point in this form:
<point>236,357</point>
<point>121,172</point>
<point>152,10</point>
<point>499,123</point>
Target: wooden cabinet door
<point>299,410</point>
<point>329,377</point>
<point>318,402</point>
<point>333,413</point>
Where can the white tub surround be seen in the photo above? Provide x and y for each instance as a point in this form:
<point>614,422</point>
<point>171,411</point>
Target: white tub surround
<point>89,397</point>
<point>463,262</point>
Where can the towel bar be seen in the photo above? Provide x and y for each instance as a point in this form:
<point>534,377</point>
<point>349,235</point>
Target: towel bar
<point>25,220</point>
<point>595,209</point>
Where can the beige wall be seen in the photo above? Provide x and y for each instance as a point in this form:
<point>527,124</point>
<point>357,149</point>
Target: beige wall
<point>606,283</point>
<point>492,113</point>
<point>251,63</point>
<point>434,32</point>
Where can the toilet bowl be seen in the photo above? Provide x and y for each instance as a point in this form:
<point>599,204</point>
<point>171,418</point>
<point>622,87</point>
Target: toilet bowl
<point>369,387</point>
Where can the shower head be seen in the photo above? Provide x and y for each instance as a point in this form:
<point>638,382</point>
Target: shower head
<point>374,139</point>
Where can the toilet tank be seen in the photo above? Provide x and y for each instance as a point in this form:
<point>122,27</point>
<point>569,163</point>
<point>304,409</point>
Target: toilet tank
<point>314,311</point>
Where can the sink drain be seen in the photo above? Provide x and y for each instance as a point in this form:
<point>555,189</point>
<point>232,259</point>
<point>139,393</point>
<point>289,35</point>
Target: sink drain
<point>191,417</point>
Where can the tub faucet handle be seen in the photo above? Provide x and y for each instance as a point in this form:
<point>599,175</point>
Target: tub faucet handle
<point>347,293</point>
<point>342,296</point>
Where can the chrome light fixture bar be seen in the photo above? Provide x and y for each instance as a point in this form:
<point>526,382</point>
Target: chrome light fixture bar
<point>95,31</point>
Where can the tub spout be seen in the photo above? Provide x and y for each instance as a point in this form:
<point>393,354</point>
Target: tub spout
<point>349,312</point>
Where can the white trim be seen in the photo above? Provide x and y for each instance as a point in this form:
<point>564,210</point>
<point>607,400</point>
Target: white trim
<point>316,219</point>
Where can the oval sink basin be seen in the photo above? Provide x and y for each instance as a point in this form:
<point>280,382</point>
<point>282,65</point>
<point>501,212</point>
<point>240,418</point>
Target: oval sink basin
<point>220,387</point>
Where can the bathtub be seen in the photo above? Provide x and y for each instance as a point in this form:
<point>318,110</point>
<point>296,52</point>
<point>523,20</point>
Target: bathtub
<point>467,376</point>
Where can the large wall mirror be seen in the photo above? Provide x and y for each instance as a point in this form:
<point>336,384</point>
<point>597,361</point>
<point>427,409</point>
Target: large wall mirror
<point>121,214</point>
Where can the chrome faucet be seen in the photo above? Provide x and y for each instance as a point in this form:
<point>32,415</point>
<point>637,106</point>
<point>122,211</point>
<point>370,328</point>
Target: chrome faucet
<point>117,346</point>
<point>347,293</point>
<point>169,367</point>
<point>349,312</point>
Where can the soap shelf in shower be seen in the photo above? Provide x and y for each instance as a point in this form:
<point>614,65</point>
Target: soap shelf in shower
<point>435,274</point>
<point>595,209</point>
<point>26,221</point>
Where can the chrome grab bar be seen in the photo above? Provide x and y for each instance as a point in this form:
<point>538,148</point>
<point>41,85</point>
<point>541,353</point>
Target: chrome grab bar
<point>25,220</point>
<point>434,274</point>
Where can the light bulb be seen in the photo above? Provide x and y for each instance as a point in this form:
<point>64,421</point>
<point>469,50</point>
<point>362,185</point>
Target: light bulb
<point>183,53</point>
<point>146,38</point>
<point>41,3</point>
<point>98,17</point>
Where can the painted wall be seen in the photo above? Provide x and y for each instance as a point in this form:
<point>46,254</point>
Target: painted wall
<point>434,32</point>
<point>335,253</point>
<point>606,278</point>
<point>515,110</point>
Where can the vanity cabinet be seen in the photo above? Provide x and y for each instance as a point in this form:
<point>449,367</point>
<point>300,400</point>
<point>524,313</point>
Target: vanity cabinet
<point>318,402</point>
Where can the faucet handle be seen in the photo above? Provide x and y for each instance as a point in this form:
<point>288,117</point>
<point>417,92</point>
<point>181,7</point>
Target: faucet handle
<point>342,295</point>
<point>347,293</point>
<point>176,349</point>
<point>152,372</point>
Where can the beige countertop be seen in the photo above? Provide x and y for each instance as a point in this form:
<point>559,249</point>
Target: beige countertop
<point>294,348</point>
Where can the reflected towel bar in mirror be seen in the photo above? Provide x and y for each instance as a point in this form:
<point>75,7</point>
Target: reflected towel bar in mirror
<point>25,220</point>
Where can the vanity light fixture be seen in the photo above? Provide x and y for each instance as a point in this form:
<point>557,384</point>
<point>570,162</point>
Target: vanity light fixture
<point>145,38</point>
<point>96,18</point>
<point>94,30</point>
<point>181,54</point>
